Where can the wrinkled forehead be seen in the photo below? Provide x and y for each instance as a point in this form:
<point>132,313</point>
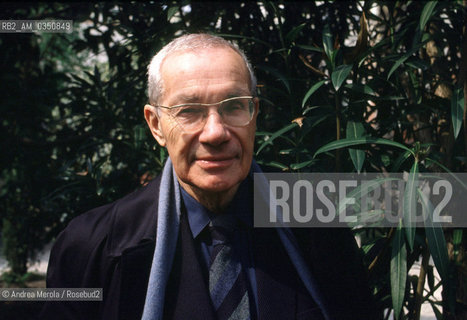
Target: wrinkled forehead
<point>205,68</point>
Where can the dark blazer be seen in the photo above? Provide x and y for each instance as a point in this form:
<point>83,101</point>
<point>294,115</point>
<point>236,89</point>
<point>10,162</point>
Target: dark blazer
<point>111,247</point>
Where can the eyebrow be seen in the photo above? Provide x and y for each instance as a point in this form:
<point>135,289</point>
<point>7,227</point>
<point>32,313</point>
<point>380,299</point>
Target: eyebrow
<point>237,94</point>
<point>183,98</point>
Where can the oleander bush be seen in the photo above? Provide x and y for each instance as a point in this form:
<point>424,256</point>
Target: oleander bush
<point>345,86</point>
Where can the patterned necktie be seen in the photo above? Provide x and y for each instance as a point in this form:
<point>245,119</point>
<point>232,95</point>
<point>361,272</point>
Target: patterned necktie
<point>227,281</point>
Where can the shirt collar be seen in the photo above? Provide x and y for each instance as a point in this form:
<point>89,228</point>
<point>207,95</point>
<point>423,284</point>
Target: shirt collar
<point>199,217</point>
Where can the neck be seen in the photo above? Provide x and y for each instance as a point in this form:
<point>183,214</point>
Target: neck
<point>215,202</point>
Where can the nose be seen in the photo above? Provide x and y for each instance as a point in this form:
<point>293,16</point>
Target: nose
<point>214,131</point>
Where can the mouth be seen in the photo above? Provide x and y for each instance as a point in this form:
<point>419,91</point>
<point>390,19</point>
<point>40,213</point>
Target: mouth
<point>212,163</point>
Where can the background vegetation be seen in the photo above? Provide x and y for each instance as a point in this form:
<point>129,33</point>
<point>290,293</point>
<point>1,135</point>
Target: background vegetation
<point>331,75</point>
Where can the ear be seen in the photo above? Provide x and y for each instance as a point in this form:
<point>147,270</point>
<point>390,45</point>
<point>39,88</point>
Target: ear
<point>154,124</point>
<point>256,102</point>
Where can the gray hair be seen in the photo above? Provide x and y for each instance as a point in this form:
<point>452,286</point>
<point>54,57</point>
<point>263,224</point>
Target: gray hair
<point>183,43</point>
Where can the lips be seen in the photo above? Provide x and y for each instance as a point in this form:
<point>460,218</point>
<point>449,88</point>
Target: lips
<point>213,163</point>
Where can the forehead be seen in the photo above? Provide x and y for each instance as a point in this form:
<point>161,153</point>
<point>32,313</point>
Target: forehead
<point>204,72</point>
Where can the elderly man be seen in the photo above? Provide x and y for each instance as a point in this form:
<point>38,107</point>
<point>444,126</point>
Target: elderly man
<point>184,247</point>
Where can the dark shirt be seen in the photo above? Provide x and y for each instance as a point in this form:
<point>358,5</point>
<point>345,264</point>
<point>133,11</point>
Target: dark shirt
<point>241,210</point>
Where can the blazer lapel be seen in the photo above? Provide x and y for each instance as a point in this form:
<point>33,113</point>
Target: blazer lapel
<point>187,295</point>
<point>135,267</point>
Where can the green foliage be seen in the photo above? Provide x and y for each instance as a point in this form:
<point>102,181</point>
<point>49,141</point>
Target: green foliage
<point>356,130</point>
<point>457,110</point>
<point>410,204</point>
<point>15,280</point>
<point>383,79</point>
<point>398,271</point>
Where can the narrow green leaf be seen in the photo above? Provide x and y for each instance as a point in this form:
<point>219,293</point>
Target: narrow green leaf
<point>281,50</point>
<point>389,98</point>
<point>456,242</point>
<point>339,75</point>
<point>410,204</point>
<point>171,12</point>
<point>457,110</point>
<point>311,48</point>
<point>342,143</point>
<point>315,87</point>
<point>298,166</point>
<point>398,271</point>
<point>328,43</point>
<point>425,37</point>
<point>457,237</point>
<point>454,175</point>
<point>364,89</point>
<point>292,35</point>
<point>292,151</point>
<point>275,135</point>
<point>366,248</point>
<point>138,135</point>
<point>82,81</point>
<point>438,314</point>
<point>276,74</point>
<point>427,12</point>
<point>162,155</point>
<point>415,88</point>
<point>435,239</point>
<point>397,164</point>
<point>356,130</point>
<point>398,63</point>
<point>89,165</point>
<point>407,55</point>
<point>430,277</point>
<point>308,109</point>
<point>311,122</point>
<point>418,64</point>
<point>275,164</point>
<point>416,37</point>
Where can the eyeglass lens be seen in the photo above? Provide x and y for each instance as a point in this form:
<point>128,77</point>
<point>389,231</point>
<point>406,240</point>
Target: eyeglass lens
<point>234,112</point>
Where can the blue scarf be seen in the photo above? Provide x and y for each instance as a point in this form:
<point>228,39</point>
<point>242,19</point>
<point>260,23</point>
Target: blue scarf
<point>168,222</point>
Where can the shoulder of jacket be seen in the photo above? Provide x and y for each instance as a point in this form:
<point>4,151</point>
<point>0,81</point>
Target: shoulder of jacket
<point>115,226</point>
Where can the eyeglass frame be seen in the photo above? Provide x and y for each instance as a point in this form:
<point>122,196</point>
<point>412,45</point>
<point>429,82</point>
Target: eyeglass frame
<point>211,104</point>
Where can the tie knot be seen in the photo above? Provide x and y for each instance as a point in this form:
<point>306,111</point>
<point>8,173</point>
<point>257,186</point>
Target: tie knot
<point>219,235</point>
<point>222,228</point>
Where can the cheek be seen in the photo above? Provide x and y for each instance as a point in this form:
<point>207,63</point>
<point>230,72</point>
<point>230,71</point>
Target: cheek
<point>171,137</point>
<point>171,133</point>
<point>249,141</point>
<point>180,147</point>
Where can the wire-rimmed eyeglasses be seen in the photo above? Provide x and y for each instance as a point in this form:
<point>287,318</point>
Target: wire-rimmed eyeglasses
<point>235,112</point>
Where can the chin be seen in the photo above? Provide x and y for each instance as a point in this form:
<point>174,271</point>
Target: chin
<point>217,183</point>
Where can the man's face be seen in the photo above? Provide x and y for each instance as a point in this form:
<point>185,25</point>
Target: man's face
<point>217,157</point>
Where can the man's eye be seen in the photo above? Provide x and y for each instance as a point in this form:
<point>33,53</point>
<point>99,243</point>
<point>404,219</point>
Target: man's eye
<point>189,111</point>
<point>233,106</point>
